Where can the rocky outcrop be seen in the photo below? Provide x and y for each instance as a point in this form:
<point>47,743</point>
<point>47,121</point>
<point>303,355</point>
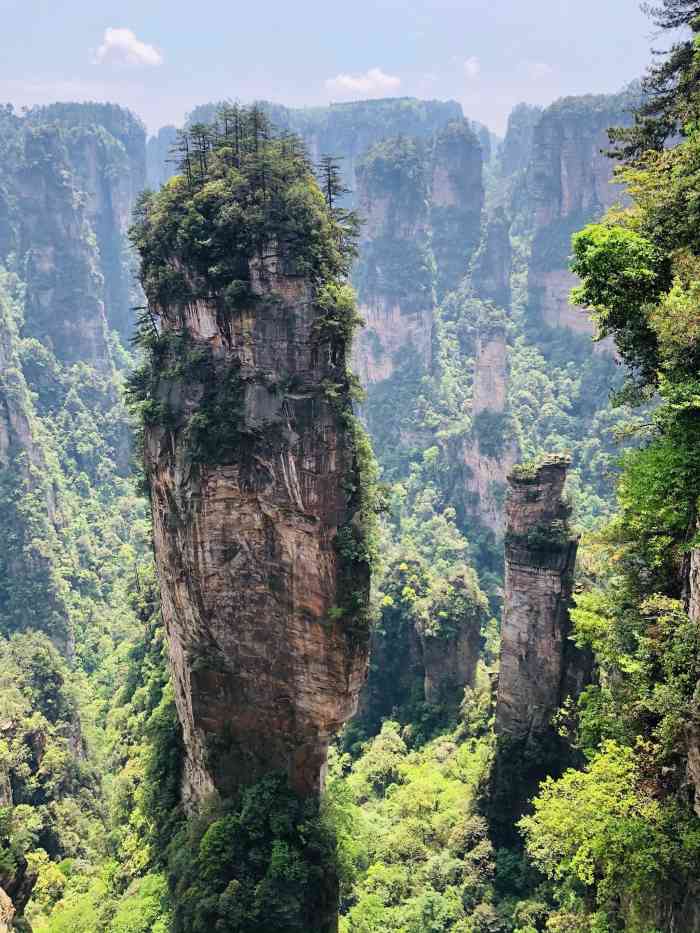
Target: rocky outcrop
<point>493,262</point>
<point>7,913</point>
<point>395,277</point>
<point>422,205</point>
<point>569,183</point>
<point>159,157</point>
<point>539,667</point>
<point>70,188</point>
<point>516,150</point>
<point>65,300</point>
<point>249,519</point>
<point>489,450</point>
<point>456,202</point>
<point>427,643</point>
<point>535,673</point>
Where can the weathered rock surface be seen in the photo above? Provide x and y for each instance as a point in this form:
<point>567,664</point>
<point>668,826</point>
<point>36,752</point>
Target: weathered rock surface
<point>422,203</point>
<point>539,666</point>
<point>266,668</point>
<point>428,649</point>
<point>569,182</point>
<point>489,451</point>
<point>68,193</point>
<point>535,675</point>
<point>692,727</point>
<point>7,913</point>
<point>493,262</point>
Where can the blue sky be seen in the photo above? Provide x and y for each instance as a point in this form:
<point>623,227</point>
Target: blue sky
<point>162,57</point>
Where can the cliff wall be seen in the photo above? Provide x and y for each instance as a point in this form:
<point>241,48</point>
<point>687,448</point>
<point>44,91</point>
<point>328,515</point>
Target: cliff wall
<point>246,546</point>
<point>257,471</point>
<point>422,205</point>
<point>539,666</point>
<point>569,182</point>
<point>489,451</point>
<point>70,175</point>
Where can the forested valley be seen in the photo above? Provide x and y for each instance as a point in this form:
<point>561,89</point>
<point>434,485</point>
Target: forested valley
<point>349,483</point>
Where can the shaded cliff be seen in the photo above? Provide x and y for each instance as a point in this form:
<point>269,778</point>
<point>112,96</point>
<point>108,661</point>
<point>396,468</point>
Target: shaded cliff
<point>422,205</point>
<point>31,595</point>
<point>258,472</point>
<point>490,449</point>
<point>494,261</point>
<point>427,643</point>
<point>70,175</point>
<point>539,666</point>
<point>569,182</point>
<point>456,202</point>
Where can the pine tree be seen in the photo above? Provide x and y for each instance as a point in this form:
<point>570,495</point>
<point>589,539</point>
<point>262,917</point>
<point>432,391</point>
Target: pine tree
<point>331,180</point>
<point>671,87</point>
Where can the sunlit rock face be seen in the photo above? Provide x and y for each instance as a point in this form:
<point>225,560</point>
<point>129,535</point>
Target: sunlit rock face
<point>490,450</point>
<point>422,203</point>
<point>540,559</point>
<point>266,663</point>
<point>569,182</point>
<point>540,667</point>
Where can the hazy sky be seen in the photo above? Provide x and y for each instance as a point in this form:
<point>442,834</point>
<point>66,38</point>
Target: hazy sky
<point>161,57</point>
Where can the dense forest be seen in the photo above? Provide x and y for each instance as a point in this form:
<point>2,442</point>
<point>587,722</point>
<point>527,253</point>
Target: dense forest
<point>349,478</point>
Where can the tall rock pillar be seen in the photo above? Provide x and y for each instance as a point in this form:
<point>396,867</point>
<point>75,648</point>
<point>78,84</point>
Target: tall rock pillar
<point>540,666</point>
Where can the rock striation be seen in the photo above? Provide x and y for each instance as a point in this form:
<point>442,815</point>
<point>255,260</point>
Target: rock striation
<point>539,667</point>
<point>77,171</point>
<point>422,203</point>
<point>569,183</point>
<point>265,667</point>
<point>427,647</point>
<point>489,450</point>
<point>259,481</point>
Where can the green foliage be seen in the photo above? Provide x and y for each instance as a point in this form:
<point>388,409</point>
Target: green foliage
<point>245,197</point>
<point>263,861</point>
<point>600,831</point>
<point>423,859</point>
<point>622,272</point>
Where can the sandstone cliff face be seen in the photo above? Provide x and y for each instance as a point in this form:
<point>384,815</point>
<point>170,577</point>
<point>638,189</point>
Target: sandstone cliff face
<point>540,556</point>
<point>517,145</point>
<point>427,647</point>
<point>692,727</point>
<point>493,263</point>
<point>422,204</point>
<point>569,183</point>
<point>489,451</point>
<point>76,171</point>
<point>456,202</point>
<point>266,668</point>
<point>64,304</point>
<point>539,666</point>
<point>7,913</point>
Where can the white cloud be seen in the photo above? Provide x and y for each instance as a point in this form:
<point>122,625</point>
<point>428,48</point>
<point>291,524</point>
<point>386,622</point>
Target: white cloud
<point>538,70</point>
<point>371,83</point>
<point>472,67</point>
<point>122,47</point>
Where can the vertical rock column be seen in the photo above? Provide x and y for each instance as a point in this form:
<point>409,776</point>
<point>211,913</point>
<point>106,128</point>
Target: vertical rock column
<point>252,492</point>
<point>489,450</point>
<point>540,667</point>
